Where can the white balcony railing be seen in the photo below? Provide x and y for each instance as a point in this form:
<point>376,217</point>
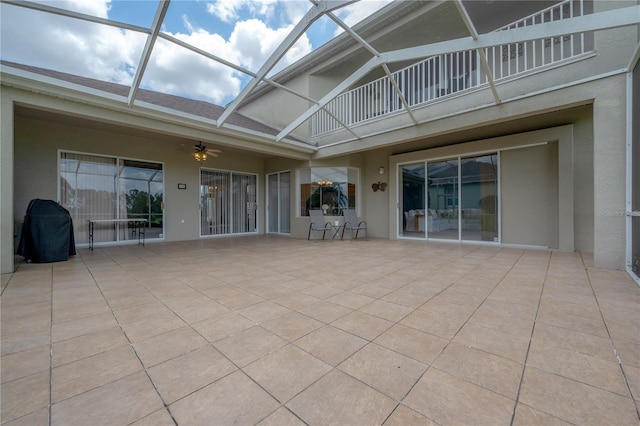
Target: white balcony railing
<point>452,73</point>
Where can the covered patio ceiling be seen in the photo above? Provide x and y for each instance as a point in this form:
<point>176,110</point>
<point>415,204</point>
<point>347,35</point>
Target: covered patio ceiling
<point>470,26</point>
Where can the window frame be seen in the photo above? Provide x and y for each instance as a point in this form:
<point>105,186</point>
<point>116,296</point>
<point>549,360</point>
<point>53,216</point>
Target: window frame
<point>118,208</point>
<point>351,172</point>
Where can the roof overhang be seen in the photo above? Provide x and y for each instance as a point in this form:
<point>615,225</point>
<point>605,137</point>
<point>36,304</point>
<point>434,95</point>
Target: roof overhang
<point>145,115</point>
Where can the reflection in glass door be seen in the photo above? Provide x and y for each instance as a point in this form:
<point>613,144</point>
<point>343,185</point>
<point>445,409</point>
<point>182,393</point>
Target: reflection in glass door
<point>462,200</point>
<point>97,187</point>
<point>442,191</point>
<point>279,206</point>
<point>412,202</point>
<point>141,197</point>
<point>479,198</point>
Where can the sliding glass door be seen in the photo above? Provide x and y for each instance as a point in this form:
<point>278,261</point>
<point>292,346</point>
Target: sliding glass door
<point>461,199</point>
<point>228,202</point>
<point>96,187</point>
<point>278,203</point>
<point>443,200</point>
<point>479,198</point>
<point>412,200</point>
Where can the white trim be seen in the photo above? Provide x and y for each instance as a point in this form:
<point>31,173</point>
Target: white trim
<point>629,168</point>
<point>267,202</point>
<point>475,108</point>
<point>53,87</point>
<point>499,190</point>
<point>609,19</point>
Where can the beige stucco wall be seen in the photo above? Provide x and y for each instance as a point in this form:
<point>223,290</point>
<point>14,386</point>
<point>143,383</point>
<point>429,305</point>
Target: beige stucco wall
<point>6,184</point>
<point>552,169</point>
<point>278,108</point>
<point>371,206</point>
<point>609,152</point>
<point>529,191</point>
<point>36,152</point>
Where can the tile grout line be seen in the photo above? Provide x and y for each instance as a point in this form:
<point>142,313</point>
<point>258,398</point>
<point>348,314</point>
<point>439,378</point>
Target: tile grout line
<point>211,344</point>
<point>51,351</point>
<point>166,407</point>
<point>615,352</point>
<point>526,357</point>
<point>460,328</point>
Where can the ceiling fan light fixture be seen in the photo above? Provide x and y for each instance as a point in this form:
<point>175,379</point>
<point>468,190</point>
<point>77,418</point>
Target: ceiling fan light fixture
<point>200,153</point>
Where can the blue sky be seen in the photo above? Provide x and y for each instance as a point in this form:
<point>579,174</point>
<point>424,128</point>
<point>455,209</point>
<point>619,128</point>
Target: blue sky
<point>243,32</point>
<point>141,12</point>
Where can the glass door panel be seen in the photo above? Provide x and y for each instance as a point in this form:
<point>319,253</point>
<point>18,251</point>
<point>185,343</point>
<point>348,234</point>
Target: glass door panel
<point>88,190</point>
<point>244,203</point>
<point>284,193</point>
<point>279,207</point>
<point>442,189</point>
<point>140,197</point>
<point>214,202</point>
<point>412,214</point>
<point>478,198</point>
<point>273,206</point>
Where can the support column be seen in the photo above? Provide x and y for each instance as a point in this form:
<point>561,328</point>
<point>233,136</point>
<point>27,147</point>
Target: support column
<point>6,183</point>
<point>609,146</point>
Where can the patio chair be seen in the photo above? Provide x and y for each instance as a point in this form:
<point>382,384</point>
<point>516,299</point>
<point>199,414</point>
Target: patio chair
<point>351,223</point>
<point>317,224</point>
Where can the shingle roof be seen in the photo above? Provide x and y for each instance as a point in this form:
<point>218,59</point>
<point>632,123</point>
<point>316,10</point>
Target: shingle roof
<point>190,106</point>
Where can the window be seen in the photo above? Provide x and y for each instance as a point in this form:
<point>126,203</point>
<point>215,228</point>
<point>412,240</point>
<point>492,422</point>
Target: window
<point>329,189</point>
<point>97,187</point>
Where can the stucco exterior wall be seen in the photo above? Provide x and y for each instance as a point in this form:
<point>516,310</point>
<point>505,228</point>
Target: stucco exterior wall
<point>609,153</point>
<point>278,108</point>
<point>36,160</point>
<point>529,191</point>
<point>547,174</point>
<point>6,184</point>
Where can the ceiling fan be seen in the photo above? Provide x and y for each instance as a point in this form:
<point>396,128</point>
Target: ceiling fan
<point>202,152</point>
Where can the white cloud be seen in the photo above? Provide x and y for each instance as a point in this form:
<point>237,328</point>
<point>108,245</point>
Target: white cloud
<point>255,42</point>
<point>111,54</point>
<point>69,45</point>
<point>97,8</point>
<point>229,10</point>
<point>356,12</point>
<point>178,71</point>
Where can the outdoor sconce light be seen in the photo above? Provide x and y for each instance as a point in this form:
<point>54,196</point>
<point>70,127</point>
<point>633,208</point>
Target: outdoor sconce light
<point>381,171</point>
<point>379,186</point>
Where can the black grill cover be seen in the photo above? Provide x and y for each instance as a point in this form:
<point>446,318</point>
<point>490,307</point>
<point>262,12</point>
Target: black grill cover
<point>47,233</point>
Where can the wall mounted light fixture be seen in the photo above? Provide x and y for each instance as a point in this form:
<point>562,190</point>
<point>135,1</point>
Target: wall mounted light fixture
<point>381,171</point>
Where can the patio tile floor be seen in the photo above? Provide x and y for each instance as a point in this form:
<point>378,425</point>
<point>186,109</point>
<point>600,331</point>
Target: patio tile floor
<point>279,331</point>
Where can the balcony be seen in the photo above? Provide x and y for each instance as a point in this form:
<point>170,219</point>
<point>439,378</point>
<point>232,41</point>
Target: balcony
<point>455,73</point>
